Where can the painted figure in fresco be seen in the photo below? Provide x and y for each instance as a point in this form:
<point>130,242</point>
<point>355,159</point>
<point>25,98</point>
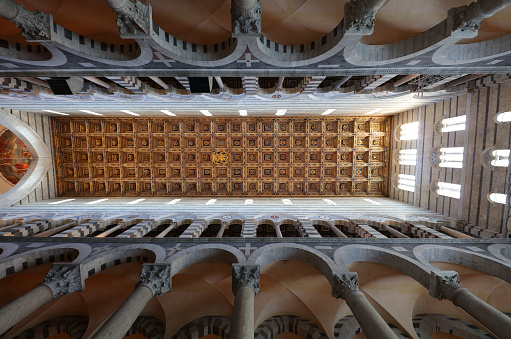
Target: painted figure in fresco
<point>15,157</point>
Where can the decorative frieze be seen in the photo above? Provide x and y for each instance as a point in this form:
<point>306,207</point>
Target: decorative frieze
<point>63,279</point>
<point>344,284</point>
<point>156,277</point>
<point>245,275</point>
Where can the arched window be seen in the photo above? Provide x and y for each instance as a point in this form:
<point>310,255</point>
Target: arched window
<point>498,198</point>
<point>451,157</point>
<point>454,124</point>
<point>408,157</point>
<point>409,131</point>
<point>503,117</point>
<point>449,190</point>
<point>501,158</point>
<point>406,182</point>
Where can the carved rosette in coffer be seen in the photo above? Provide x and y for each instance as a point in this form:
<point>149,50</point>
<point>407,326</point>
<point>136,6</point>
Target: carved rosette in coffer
<point>222,157</point>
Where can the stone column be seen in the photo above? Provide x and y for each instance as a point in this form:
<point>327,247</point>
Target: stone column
<point>155,279</point>
<point>63,278</point>
<point>221,231</point>
<point>454,233</point>
<point>345,286</point>
<point>57,229</point>
<point>337,231</point>
<point>245,285</point>
<point>446,285</point>
<point>167,230</point>
<point>394,231</point>
<point>277,230</point>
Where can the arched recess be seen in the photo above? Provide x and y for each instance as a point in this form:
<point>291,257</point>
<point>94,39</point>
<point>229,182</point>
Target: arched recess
<point>427,324</point>
<point>54,56</point>
<point>428,253</point>
<point>201,327</point>
<point>348,327</point>
<point>202,253</point>
<point>410,267</point>
<point>275,252</point>
<point>272,327</point>
<point>73,325</point>
<point>40,163</point>
<point>120,255</point>
<point>69,252</point>
<point>149,327</point>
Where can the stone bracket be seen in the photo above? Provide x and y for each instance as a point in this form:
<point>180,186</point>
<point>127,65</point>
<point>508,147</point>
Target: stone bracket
<point>344,284</point>
<point>245,275</point>
<point>64,278</point>
<point>156,277</point>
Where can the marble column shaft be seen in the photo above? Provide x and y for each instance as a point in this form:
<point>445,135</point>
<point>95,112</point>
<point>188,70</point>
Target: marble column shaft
<point>155,279</point>
<point>446,285</point>
<point>346,287</point>
<point>61,279</point>
<point>337,231</point>
<point>245,285</point>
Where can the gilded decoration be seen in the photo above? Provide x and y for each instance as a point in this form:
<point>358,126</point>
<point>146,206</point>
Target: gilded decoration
<point>327,156</point>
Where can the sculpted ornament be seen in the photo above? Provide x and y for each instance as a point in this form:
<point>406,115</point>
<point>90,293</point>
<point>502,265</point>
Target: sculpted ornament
<point>446,285</point>
<point>245,275</point>
<point>246,22</point>
<point>463,20</point>
<point>33,25</point>
<point>63,279</point>
<point>344,284</point>
<point>156,277</point>
<point>358,18</point>
<point>133,18</point>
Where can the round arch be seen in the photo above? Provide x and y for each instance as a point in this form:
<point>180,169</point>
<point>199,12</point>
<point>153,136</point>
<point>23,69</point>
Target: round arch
<point>202,253</point>
<point>203,326</point>
<point>410,267</point>
<point>287,251</point>
<point>39,166</point>
<point>428,253</point>
<point>273,326</point>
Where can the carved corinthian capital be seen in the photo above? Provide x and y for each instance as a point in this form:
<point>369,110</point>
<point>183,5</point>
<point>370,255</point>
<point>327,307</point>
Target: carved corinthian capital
<point>344,284</point>
<point>34,25</point>
<point>63,279</point>
<point>246,22</point>
<point>156,277</point>
<point>133,18</point>
<point>466,20</point>
<point>245,275</point>
<point>445,285</point>
<point>358,19</point>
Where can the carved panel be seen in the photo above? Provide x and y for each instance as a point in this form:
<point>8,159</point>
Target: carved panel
<point>218,157</point>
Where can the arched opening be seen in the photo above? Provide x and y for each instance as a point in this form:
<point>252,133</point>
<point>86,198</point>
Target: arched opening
<point>265,230</point>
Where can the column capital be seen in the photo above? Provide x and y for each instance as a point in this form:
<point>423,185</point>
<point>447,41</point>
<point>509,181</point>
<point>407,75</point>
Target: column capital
<point>63,278</point>
<point>156,277</point>
<point>358,19</point>
<point>465,21</point>
<point>344,284</point>
<point>34,25</point>
<point>245,275</point>
<point>133,17</point>
<point>246,22</point>
<point>445,285</point>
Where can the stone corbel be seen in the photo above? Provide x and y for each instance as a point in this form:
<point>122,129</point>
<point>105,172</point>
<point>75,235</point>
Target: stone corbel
<point>344,284</point>
<point>156,277</point>
<point>245,275</point>
<point>246,22</point>
<point>64,278</point>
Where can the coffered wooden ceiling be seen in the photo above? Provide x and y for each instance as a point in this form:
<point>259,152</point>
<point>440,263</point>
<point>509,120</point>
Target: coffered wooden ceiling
<point>222,157</point>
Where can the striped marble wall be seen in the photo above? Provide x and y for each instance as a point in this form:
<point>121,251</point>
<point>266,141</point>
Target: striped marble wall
<point>491,95</point>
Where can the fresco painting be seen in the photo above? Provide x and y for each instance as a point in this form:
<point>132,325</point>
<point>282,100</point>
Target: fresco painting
<point>15,159</point>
